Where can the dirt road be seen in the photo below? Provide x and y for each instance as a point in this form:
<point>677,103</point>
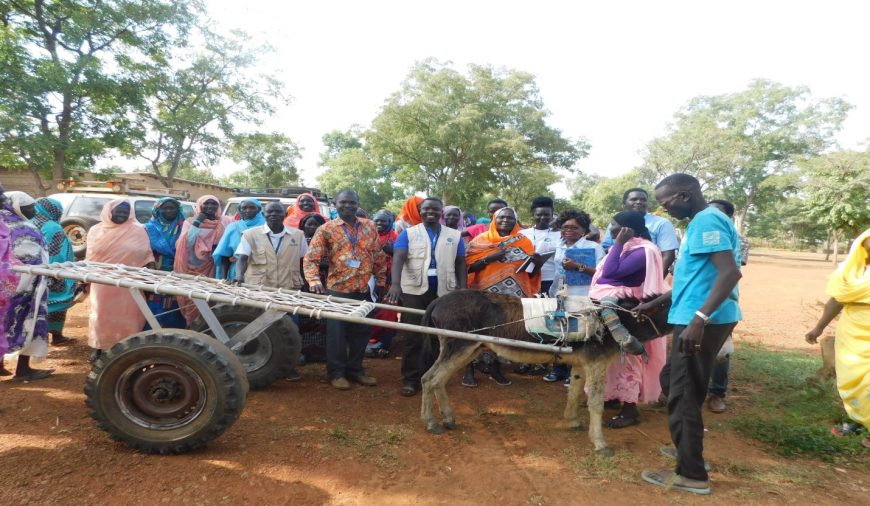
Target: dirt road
<point>306,443</point>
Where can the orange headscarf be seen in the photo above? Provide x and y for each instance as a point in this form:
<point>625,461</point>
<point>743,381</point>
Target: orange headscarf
<point>410,212</point>
<point>518,248</point>
<point>295,214</point>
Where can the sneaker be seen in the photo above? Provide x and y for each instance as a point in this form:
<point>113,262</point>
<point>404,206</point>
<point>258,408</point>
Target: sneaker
<point>524,369</point>
<point>538,370</point>
<point>340,383</point>
<point>716,404</point>
<point>499,378</point>
<point>364,380</point>
<point>293,375</point>
<point>567,382</point>
<point>552,377</point>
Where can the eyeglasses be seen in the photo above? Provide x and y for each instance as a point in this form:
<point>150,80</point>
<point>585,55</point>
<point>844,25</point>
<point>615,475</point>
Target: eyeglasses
<point>667,202</point>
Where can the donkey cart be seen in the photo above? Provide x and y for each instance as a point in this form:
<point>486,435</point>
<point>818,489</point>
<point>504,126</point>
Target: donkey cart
<point>172,390</point>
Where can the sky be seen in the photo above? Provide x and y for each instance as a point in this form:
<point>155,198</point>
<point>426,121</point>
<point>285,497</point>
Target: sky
<point>612,72</point>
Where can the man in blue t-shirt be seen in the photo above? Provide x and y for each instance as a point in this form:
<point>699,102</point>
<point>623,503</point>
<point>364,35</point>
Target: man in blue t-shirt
<point>703,311</point>
<point>661,231</point>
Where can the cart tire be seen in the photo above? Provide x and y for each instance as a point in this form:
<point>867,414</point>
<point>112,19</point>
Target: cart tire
<point>166,391</point>
<point>266,359</point>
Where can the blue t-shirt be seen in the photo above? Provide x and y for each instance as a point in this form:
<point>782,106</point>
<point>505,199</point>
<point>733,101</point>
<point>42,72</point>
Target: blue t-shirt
<point>710,231</point>
<point>661,232</point>
<point>402,243</point>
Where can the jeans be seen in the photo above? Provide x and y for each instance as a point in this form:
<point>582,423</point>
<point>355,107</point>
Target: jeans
<point>346,343</point>
<point>684,380</point>
<point>719,378</point>
<point>417,357</point>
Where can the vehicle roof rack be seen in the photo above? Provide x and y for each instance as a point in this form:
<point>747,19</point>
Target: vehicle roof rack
<point>287,191</point>
<point>118,186</point>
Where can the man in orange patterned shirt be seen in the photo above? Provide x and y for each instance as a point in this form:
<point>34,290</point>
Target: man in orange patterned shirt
<point>350,244</point>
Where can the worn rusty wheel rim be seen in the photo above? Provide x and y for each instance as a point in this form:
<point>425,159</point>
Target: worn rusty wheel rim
<point>161,394</point>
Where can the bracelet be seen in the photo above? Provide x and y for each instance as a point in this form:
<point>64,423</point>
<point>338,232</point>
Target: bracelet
<point>702,316</point>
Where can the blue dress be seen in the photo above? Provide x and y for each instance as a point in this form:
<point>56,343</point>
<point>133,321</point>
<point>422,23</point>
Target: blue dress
<point>163,235</point>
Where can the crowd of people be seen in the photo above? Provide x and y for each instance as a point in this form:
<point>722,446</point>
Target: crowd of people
<point>430,249</point>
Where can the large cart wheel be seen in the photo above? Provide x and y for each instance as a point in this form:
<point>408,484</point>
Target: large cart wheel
<point>166,391</point>
<point>270,356</point>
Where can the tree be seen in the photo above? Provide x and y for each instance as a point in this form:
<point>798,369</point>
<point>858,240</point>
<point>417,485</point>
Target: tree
<point>460,136</point>
<point>735,143</point>
<point>192,111</point>
<point>838,193</point>
<point>601,197</point>
<point>350,165</point>
<point>66,73</point>
<point>270,161</point>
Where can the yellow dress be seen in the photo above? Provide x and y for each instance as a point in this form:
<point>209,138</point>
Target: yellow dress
<point>850,286</point>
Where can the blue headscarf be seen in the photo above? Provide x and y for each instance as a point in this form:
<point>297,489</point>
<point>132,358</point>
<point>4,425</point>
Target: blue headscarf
<point>233,236</point>
<point>163,234</point>
<point>48,215</point>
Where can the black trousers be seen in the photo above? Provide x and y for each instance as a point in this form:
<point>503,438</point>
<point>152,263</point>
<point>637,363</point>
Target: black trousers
<point>346,343</point>
<point>684,380</point>
<point>417,358</point>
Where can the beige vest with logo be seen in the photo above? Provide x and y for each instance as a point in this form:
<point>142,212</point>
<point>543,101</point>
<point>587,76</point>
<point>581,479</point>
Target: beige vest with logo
<point>415,279</point>
<point>279,270</point>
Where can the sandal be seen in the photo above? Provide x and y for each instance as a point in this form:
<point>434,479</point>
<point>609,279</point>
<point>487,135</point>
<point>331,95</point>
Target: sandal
<point>63,341</point>
<point>33,375</point>
<point>846,429</point>
<point>668,479</point>
<point>621,422</point>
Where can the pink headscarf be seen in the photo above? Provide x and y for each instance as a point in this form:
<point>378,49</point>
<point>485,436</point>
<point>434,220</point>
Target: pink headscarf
<point>196,244</point>
<point>119,243</point>
<point>653,283</point>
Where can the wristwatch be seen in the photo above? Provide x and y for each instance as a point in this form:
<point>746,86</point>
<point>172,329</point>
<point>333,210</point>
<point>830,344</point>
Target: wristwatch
<point>702,316</point>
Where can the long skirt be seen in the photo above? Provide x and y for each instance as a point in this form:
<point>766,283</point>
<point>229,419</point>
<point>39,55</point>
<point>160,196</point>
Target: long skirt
<point>165,309</point>
<point>853,361</point>
<point>114,316</point>
<point>631,380</point>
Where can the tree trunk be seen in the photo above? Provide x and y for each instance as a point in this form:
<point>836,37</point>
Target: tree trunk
<point>836,247</point>
<point>828,248</point>
<point>38,180</point>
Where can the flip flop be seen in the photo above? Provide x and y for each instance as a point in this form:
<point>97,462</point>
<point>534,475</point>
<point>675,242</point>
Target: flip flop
<point>33,375</point>
<point>666,478</point>
<point>671,453</point>
<point>621,422</point>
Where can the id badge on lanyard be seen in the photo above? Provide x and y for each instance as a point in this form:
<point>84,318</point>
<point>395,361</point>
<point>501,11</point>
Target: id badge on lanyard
<point>352,262</point>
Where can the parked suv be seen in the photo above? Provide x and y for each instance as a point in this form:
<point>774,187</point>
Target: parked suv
<point>286,196</point>
<point>82,210</point>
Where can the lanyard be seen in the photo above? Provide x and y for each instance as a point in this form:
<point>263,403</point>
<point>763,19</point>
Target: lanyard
<point>434,243</point>
<point>353,239</point>
<point>278,246</point>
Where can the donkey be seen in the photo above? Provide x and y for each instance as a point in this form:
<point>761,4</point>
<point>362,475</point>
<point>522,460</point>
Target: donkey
<point>469,310</point>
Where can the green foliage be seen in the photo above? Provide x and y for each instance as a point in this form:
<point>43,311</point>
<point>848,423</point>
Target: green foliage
<point>787,412</point>
<point>838,191</point>
<point>461,136</point>
<point>270,161</point>
<point>193,106</point>
<point>601,197</point>
<point>349,164</point>
<point>736,143</point>
<point>66,90</point>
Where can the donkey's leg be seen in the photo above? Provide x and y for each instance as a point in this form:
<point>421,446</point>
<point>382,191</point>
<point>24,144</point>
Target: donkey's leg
<point>596,372</point>
<point>452,357</point>
<point>575,392</point>
<point>460,359</point>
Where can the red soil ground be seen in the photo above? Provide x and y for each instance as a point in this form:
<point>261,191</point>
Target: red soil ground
<point>306,443</point>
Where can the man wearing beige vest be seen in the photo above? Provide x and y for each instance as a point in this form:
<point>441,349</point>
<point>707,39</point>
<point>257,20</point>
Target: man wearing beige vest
<point>271,255</point>
<point>428,261</point>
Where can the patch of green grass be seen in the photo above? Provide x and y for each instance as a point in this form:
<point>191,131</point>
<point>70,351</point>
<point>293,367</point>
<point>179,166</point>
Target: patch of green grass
<point>787,412</point>
<point>375,443</point>
<point>590,465</point>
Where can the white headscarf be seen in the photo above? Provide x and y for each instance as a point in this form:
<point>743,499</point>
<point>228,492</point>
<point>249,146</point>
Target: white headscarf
<point>18,200</point>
